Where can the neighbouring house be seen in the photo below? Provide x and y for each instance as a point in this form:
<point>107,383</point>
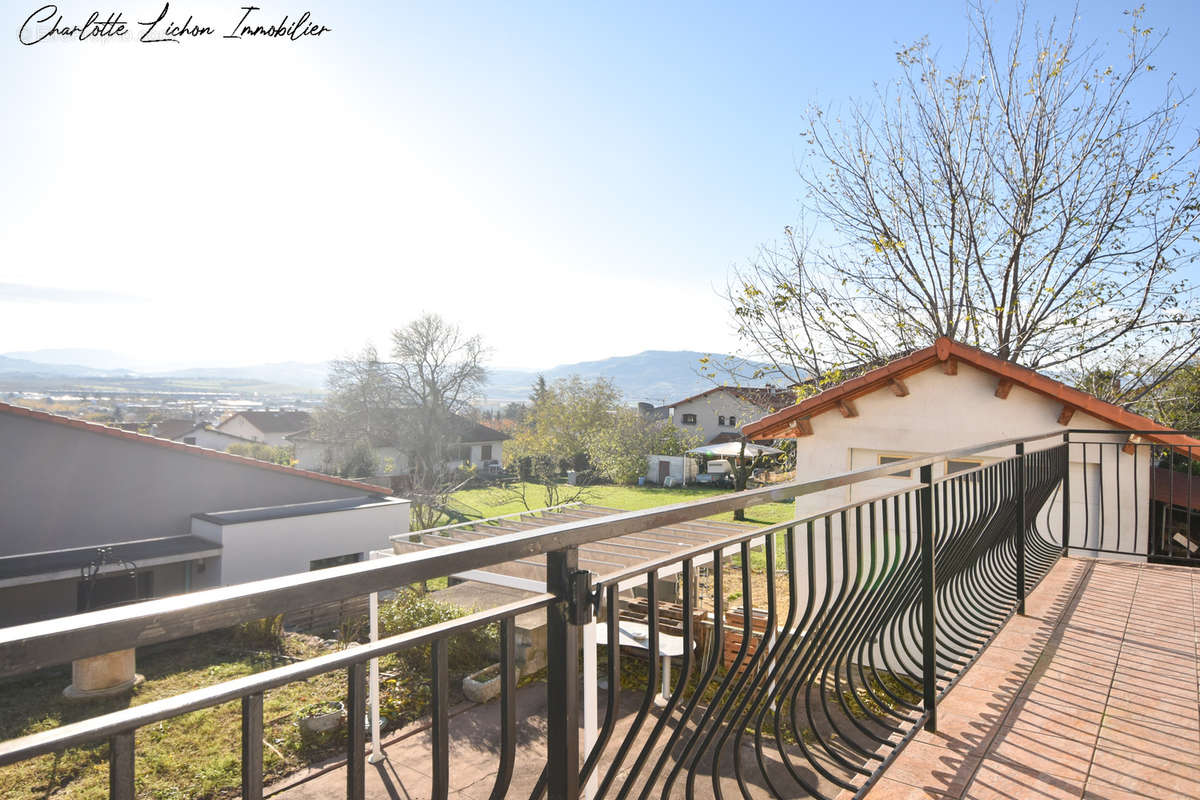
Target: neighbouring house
<point>200,434</point>
<point>715,416</point>
<point>475,444</point>
<point>718,414</point>
<point>178,517</point>
<point>951,396</point>
<point>271,427</point>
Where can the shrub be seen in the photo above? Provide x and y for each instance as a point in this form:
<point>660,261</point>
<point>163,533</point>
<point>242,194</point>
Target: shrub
<point>410,610</point>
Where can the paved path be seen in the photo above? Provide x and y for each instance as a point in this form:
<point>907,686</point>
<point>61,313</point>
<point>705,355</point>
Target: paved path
<point>1093,694</point>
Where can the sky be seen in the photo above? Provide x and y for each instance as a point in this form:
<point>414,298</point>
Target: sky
<point>568,181</point>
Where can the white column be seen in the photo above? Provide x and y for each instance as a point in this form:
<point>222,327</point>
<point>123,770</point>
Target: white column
<point>590,702</point>
<point>373,613</point>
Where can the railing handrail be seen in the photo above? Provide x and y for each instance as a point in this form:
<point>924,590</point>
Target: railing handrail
<point>127,719</point>
<point>28,647</point>
<point>483,520</point>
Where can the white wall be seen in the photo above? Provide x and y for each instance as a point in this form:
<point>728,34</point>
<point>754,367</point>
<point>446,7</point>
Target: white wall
<point>683,468</point>
<point>282,546</point>
<point>710,408</point>
<point>943,412</point>
<point>211,439</point>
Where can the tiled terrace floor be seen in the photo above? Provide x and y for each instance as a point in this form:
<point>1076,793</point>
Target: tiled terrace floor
<point>1093,694</point>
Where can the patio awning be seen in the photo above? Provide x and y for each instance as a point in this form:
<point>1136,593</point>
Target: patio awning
<point>733,450</point>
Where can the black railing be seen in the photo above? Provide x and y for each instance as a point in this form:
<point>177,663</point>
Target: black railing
<point>861,618</point>
<point>1133,493</point>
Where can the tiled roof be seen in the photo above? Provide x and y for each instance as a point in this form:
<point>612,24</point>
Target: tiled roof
<point>275,421</point>
<point>765,397</point>
<point>116,433</point>
<point>777,425</point>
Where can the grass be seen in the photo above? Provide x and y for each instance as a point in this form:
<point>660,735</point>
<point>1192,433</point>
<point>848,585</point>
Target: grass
<point>495,502</point>
<point>196,755</point>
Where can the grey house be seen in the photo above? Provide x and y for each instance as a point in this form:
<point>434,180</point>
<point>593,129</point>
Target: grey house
<point>163,517</point>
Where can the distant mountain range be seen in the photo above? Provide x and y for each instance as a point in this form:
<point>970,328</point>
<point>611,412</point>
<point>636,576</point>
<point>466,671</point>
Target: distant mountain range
<point>655,376</point>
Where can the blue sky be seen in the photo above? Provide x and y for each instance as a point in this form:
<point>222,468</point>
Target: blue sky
<point>569,182</point>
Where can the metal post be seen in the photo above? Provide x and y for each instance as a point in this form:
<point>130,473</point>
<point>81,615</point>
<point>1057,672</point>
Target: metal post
<point>373,680</point>
<point>562,679</point>
<point>1021,519</point>
<point>928,598</point>
<point>120,766</point>
<point>252,746</point>
<point>356,739</point>
<point>591,716</point>
<point>1066,494</point>
<point>440,730</point>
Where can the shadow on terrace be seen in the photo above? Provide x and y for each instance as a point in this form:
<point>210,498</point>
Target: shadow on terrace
<point>966,634</point>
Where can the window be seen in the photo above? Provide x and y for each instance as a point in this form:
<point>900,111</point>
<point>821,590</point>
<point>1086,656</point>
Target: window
<point>689,419</point>
<point>721,421</point>
<point>189,440</point>
<point>903,473</point>
<point>335,561</point>
<point>961,465</point>
<point>485,452</point>
<point>733,420</point>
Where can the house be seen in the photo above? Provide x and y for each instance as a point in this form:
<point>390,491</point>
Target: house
<point>950,396</point>
<point>200,434</point>
<point>715,416</point>
<point>271,427</point>
<point>157,517</point>
<point>718,413</point>
<point>474,443</point>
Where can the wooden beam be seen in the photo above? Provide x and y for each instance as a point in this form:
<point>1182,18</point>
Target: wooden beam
<point>1064,417</point>
<point>1003,388</point>
<point>950,366</point>
<point>898,387</point>
<point>1128,448</point>
<point>801,427</point>
<point>847,408</point>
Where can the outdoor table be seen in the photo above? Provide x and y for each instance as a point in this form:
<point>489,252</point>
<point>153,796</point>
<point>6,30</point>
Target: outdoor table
<point>637,634</point>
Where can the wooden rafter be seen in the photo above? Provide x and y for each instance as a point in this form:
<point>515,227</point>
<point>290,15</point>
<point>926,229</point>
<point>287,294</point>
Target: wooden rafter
<point>1003,387</point>
<point>950,366</point>
<point>898,387</point>
<point>1064,417</point>
<point>802,427</point>
<point>847,408</point>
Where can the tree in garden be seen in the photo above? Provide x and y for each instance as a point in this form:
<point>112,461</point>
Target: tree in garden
<point>415,401</point>
<point>618,450</point>
<point>561,419</point>
<point>1025,200</point>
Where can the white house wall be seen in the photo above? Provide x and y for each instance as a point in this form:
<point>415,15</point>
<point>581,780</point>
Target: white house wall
<point>273,547</point>
<point>710,408</point>
<point>944,412</point>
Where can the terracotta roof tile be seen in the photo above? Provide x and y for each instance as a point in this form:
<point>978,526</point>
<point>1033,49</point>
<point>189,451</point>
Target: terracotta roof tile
<point>775,426</point>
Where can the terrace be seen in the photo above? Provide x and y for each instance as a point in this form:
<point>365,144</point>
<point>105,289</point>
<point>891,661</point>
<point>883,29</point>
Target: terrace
<point>966,636</point>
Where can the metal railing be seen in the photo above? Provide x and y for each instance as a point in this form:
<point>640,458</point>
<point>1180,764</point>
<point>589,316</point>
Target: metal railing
<point>884,602</point>
<point>1133,493</point>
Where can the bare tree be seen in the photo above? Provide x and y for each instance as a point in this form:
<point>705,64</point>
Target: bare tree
<point>1020,202</point>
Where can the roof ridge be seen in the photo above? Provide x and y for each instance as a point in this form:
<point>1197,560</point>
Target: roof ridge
<point>105,430</point>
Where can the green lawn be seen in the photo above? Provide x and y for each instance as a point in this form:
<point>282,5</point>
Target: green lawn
<point>494,502</point>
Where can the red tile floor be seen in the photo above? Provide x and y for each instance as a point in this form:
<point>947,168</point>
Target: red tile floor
<point>1093,694</point>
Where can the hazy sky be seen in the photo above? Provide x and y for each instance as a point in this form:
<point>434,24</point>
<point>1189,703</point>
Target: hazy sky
<point>569,182</point>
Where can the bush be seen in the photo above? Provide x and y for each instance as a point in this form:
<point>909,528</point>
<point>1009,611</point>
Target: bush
<point>410,610</point>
